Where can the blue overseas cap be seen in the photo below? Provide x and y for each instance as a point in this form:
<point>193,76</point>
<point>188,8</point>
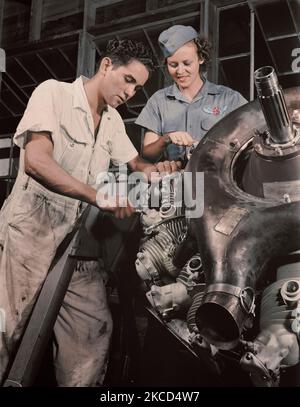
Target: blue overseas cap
<point>175,37</point>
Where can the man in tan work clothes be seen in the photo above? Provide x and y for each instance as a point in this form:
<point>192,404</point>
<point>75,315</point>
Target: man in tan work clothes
<point>68,135</point>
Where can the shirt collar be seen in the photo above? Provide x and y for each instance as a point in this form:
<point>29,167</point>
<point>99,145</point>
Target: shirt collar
<point>173,92</point>
<point>79,96</point>
<point>208,88</point>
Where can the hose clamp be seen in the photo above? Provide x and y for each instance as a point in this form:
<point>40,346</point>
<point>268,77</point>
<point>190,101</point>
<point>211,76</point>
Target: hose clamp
<point>243,294</point>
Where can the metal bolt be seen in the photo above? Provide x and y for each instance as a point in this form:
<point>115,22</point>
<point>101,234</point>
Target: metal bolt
<point>234,143</point>
<point>195,264</point>
<point>278,151</point>
<point>292,286</point>
<point>249,356</point>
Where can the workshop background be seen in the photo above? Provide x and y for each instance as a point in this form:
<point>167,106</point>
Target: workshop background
<point>46,39</point>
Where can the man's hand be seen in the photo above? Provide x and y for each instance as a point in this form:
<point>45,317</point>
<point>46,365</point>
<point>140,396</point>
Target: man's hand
<point>117,205</point>
<point>122,213</point>
<point>154,171</point>
<point>168,166</point>
<point>181,138</point>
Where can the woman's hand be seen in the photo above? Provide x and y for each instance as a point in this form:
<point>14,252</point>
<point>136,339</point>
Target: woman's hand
<point>181,138</point>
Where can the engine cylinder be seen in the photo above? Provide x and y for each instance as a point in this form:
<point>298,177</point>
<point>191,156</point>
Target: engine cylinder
<point>273,105</point>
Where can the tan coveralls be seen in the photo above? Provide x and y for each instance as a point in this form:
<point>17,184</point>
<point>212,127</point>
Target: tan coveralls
<point>34,221</point>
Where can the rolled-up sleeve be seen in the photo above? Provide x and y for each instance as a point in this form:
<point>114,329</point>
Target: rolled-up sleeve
<point>150,117</point>
<point>40,114</point>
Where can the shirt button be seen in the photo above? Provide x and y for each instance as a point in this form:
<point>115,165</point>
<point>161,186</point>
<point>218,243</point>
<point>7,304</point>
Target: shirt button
<point>71,144</point>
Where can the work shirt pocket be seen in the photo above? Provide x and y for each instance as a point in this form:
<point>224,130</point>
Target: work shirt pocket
<point>72,154</point>
<point>74,158</point>
<point>208,122</point>
<point>212,113</point>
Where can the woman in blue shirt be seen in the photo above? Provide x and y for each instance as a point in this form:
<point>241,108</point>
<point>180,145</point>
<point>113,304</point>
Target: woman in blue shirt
<point>180,115</point>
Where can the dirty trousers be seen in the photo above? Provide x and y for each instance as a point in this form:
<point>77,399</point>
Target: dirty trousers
<point>82,331</point>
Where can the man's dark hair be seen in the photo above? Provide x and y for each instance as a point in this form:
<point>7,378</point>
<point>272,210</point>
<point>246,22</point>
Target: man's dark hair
<point>122,52</point>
